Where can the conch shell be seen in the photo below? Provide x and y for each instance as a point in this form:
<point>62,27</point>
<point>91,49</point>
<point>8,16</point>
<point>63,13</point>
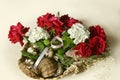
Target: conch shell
<point>47,67</point>
<point>59,70</point>
<point>72,53</point>
<point>50,53</point>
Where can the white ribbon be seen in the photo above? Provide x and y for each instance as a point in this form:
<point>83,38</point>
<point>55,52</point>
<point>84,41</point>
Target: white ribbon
<point>40,57</point>
<point>56,46</point>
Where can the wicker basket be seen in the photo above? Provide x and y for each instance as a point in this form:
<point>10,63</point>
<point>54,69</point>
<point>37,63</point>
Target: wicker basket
<point>31,72</point>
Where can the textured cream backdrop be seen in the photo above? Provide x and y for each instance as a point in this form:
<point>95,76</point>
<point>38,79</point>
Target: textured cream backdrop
<point>103,12</point>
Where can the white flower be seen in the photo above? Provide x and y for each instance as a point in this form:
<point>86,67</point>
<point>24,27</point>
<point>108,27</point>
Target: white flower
<point>79,33</point>
<point>38,33</point>
<point>30,50</point>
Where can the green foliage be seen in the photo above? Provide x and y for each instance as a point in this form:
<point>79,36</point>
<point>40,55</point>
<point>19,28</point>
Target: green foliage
<point>105,54</point>
<point>60,56</point>
<point>66,61</point>
<point>28,55</point>
<point>108,45</point>
<point>60,53</point>
<point>52,33</point>
<point>46,42</point>
<point>41,45</point>
<point>56,42</point>
<point>68,42</point>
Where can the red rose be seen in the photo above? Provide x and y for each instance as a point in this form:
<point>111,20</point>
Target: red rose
<point>97,31</point>
<point>68,21</point>
<point>83,49</point>
<point>97,44</point>
<point>49,21</point>
<point>17,33</point>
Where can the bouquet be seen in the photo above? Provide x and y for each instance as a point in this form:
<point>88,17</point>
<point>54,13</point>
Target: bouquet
<point>58,46</point>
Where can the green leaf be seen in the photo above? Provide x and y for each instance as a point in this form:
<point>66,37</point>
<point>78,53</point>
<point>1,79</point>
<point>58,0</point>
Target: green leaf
<point>60,56</point>
<point>94,57</point>
<point>58,14</point>
<point>46,42</point>
<point>52,32</point>
<point>41,45</point>
<point>65,33</point>
<point>107,43</point>
<point>60,51</point>
<point>105,54</point>
<point>68,42</point>
<point>28,55</point>
<point>56,42</point>
<point>67,61</point>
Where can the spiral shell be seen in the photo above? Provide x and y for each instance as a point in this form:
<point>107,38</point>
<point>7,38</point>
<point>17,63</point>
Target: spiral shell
<point>50,53</point>
<point>59,70</point>
<point>71,53</point>
<point>48,67</point>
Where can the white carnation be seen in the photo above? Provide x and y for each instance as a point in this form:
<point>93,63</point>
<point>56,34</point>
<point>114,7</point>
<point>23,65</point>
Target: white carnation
<point>79,33</point>
<point>38,33</point>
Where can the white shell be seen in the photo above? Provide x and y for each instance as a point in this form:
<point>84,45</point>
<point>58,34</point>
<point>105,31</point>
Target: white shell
<point>71,53</point>
<point>47,67</point>
<point>50,53</point>
<point>30,50</point>
<point>59,70</point>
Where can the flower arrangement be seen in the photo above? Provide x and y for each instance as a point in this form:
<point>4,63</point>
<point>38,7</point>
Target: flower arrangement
<point>58,46</point>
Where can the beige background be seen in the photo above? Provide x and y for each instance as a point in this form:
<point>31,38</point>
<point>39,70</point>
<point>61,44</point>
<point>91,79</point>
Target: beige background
<point>103,12</point>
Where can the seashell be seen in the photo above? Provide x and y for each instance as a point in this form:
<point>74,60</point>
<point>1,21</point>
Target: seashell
<point>72,69</point>
<point>71,53</point>
<point>35,46</point>
<point>47,67</point>
<point>50,53</point>
<point>29,62</point>
<point>30,50</point>
<point>59,70</point>
<point>56,58</point>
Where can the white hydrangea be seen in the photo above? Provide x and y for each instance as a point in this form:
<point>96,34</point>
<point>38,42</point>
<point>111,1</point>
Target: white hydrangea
<point>38,33</point>
<point>79,33</point>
